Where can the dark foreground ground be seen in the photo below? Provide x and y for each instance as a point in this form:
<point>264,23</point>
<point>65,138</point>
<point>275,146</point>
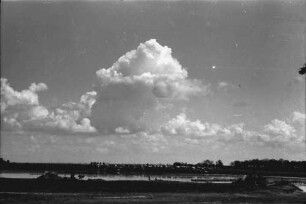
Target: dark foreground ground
<point>69,191</point>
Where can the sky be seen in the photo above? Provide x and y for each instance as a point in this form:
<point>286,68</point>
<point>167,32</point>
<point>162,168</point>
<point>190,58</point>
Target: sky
<point>152,81</point>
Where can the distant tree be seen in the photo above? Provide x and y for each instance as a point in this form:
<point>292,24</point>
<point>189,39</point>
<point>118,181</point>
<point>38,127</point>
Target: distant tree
<point>177,164</point>
<point>236,164</point>
<point>207,163</point>
<point>303,69</point>
<point>219,163</point>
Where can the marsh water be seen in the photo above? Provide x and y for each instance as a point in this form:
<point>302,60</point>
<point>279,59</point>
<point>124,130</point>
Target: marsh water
<point>201,178</point>
<point>213,178</point>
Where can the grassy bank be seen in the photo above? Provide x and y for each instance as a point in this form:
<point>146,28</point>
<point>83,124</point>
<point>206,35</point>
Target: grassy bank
<point>255,196</point>
<point>36,191</point>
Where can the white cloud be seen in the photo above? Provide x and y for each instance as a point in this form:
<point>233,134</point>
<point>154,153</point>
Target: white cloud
<point>61,124</point>
<point>22,111</point>
<point>222,84</point>
<point>10,97</point>
<point>182,126</point>
<point>142,83</point>
<point>225,86</point>
<point>299,117</point>
<point>69,118</point>
<point>38,112</point>
<point>11,123</point>
<point>276,133</point>
<point>38,87</point>
<point>281,133</point>
<point>87,100</point>
<point>122,130</point>
<point>83,127</point>
<point>279,130</point>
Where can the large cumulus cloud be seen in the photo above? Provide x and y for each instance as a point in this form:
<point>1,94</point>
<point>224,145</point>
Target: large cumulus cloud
<point>133,94</point>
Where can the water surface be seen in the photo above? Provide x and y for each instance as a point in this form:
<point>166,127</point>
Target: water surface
<point>110,177</point>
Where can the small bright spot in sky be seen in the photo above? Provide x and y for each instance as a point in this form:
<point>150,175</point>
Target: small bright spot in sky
<point>214,67</point>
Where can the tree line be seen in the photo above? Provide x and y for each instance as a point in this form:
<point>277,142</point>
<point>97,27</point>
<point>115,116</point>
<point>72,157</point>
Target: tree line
<point>264,166</point>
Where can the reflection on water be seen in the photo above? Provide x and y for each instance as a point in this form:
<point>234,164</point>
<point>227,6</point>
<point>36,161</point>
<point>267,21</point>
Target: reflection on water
<point>18,175</point>
<point>301,186</point>
<point>109,177</point>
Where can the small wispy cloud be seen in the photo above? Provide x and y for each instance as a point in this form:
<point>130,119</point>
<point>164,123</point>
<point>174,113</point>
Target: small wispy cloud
<point>225,86</point>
